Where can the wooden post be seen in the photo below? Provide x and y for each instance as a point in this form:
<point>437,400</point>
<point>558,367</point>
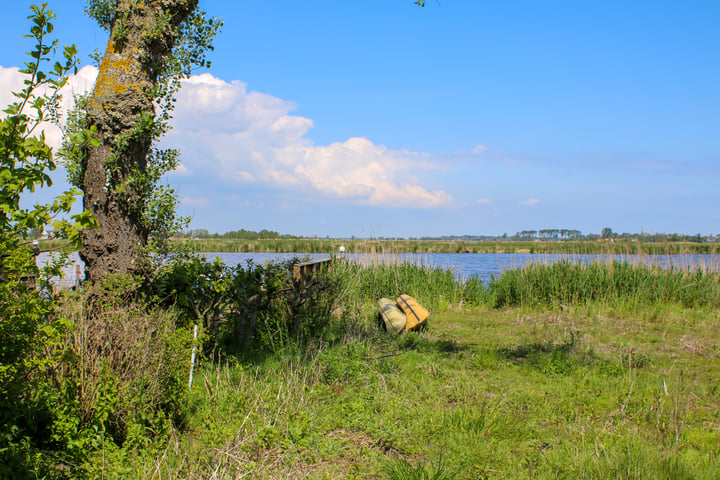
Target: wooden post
<point>78,272</point>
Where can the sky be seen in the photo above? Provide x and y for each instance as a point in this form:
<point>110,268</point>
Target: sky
<point>378,118</point>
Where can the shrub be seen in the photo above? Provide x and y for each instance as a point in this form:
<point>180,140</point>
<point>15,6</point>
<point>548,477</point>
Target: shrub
<point>133,360</point>
<point>247,309</point>
<point>31,351</point>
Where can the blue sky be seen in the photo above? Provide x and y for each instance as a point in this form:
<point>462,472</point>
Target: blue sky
<point>379,118</point>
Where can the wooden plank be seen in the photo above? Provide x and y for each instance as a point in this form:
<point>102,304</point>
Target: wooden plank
<point>303,272</point>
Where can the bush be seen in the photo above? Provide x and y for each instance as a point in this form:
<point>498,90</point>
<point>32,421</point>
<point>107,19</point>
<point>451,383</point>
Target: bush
<point>133,360</point>
<point>247,309</point>
<point>31,351</point>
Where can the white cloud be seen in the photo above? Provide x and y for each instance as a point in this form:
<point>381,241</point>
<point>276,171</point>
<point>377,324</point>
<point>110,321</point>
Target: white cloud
<point>530,202</point>
<point>484,201</point>
<point>226,133</point>
<point>477,149</point>
<point>195,202</point>
<point>10,81</point>
<point>252,137</point>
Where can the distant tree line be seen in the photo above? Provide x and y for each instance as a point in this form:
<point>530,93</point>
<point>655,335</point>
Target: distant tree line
<point>241,234</point>
<point>607,234</point>
<point>548,234</point>
<point>559,234</point>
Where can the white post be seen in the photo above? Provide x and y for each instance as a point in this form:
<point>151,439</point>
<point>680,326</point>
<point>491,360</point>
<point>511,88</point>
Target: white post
<point>192,357</point>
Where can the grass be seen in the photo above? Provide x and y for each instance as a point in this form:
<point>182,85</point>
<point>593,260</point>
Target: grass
<point>364,281</point>
<point>568,283</point>
<point>328,245</point>
<point>608,371</point>
<point>589,390</point>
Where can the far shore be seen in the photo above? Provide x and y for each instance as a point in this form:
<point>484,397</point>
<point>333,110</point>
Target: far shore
<point>386,246</point>
<point>391,246</point>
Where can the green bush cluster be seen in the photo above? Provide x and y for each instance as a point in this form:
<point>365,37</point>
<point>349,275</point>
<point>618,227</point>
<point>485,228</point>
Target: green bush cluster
<point>31,352</point>
<point>72,385</point>
<point>248,309</point>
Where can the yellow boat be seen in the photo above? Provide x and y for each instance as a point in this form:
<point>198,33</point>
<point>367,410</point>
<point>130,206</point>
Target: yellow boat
<point>392,316</point>
<point>416,314</point>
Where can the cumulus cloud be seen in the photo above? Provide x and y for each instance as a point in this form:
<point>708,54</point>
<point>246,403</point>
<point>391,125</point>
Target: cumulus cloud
<point>530,202</point>
<point>484,201</point>
<point>11,80</point>
<point>251,137</point>
<point>227,134</point>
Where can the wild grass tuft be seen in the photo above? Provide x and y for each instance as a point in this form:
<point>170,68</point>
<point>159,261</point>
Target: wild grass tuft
<point>401,469</point>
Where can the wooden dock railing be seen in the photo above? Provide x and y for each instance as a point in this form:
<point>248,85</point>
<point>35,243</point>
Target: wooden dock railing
<point>304,272</point>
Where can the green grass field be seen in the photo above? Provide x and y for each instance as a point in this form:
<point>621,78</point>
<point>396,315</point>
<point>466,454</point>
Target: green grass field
<point>503,393</point>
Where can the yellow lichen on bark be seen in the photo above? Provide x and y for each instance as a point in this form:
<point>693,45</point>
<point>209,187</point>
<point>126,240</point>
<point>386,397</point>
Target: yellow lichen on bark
<point>114,68</point>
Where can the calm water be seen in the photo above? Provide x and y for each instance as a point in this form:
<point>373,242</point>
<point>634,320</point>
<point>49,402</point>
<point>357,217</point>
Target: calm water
<point>463,265</point>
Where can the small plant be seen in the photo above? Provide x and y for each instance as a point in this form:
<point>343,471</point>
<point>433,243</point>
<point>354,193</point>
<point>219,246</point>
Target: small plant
<point>401,469</point>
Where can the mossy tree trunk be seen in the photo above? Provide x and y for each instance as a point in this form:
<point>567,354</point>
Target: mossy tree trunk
<point>121,112</point>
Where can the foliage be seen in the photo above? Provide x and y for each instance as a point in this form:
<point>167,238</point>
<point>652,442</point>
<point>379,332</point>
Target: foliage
<point>33,349</point>
<point>25,158</point>
<point>110,148</point>
<point>133,363</point>
<point>247,308</point>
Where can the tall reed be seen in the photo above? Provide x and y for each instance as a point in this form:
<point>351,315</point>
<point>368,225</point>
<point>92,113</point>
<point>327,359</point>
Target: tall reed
<point>434,287</point>
<point>566,283</point>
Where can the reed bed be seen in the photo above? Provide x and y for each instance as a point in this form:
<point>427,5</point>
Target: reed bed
<point>551,282</point>
<point>368,279</point>
<point>566,283</point>
<point>332,245</point>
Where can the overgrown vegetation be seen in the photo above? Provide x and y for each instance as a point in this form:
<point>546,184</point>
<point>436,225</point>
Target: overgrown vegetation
<point>590,388</point>
<point>247,310</point>
<point>584,375</point>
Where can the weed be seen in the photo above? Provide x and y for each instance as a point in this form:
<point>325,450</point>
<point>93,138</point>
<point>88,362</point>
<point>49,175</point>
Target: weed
<point>401,469</point>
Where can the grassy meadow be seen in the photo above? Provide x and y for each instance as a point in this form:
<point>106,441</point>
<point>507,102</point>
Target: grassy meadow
<point>603,380</point>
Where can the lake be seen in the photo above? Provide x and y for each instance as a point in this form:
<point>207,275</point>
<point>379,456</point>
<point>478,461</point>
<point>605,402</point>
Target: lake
<point>463,265</point>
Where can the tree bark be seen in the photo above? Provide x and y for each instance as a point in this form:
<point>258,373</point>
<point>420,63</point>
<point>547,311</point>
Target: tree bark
<point>121,109</point>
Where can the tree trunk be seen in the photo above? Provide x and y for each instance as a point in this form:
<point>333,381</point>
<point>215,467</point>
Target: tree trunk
<point>122,110</point>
